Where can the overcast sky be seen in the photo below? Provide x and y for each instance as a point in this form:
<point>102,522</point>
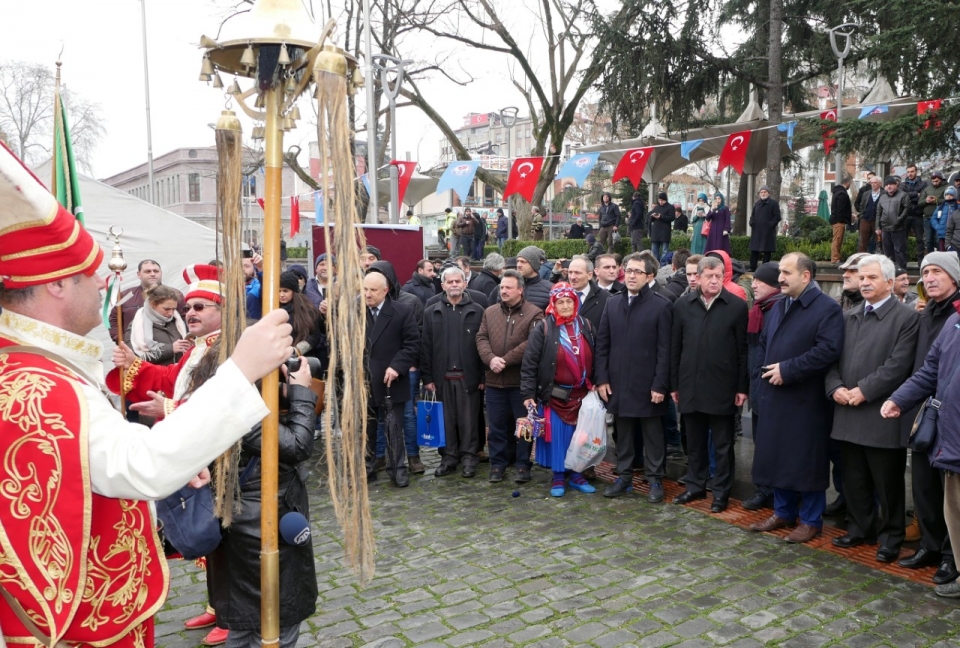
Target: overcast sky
<point>103,62</point>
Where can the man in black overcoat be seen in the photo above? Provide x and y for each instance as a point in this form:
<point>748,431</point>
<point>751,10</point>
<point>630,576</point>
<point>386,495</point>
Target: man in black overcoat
<point>802,337</point>
<point>592,298</point>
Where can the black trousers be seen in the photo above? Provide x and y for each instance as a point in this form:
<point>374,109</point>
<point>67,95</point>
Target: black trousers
<point>459,422</point>
<point>915,225</point>
<point>755,259</point>
<point>928,505</point>
<point>699,425</point>
<point>654,446</point>
<point>895,247</point>
<point>396,450</point>
<point>875,470</point>
<point>766,490</point>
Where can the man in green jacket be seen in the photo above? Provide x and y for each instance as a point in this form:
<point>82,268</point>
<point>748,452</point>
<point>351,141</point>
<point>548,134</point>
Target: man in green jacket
<point>930,198</point>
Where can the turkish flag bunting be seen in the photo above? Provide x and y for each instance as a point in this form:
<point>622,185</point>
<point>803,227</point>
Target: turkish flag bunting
<point>260,202</point>
<point>734,152</point>
<point>632,164</point>
<point>523,177</point>
<point>294,215</point>
<point>924,107</point>
<point>828,140</point>
<point>404,173</point>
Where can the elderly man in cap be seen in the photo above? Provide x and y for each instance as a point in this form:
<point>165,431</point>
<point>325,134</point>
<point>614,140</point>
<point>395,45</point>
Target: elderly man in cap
<point>95,467</point>
<point>576,230</point>
<point>901,288</point>
<point>763,223</point>
<point>940,273</point>
<point>841,215</point>
<point>893,209</point>
<point>535,289</point>
<point>850,295</point>
<point>868,199</point>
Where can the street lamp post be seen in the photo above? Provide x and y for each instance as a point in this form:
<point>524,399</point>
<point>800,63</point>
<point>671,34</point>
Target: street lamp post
<point>508,117</point>
<point>841,52</point>
<point>392,67</point>
<point>146,91</point>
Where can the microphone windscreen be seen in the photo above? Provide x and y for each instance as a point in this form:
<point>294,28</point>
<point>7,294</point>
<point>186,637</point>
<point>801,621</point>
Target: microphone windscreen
<point>294,529</point>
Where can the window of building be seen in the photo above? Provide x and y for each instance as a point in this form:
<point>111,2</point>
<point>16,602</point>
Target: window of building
<point>193,180</point>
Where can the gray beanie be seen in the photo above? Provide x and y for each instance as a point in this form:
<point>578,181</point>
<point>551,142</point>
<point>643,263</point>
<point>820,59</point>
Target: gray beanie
<point>947,261</point>
<point>532,255</point>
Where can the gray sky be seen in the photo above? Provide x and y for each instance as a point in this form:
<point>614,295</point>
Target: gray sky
<point>102,61</point>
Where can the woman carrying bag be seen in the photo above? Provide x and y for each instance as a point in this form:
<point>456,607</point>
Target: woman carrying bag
<point>557,371</point>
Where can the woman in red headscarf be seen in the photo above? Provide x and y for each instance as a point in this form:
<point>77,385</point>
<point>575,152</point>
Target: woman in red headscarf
<point>557,372</point>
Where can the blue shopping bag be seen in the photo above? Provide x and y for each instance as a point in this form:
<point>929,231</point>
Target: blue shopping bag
<point>430,430</point>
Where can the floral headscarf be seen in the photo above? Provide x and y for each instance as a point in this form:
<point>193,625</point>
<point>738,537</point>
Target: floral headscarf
<point>560,290</point>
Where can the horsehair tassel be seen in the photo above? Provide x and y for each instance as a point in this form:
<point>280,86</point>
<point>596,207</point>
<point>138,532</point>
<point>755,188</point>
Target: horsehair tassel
<point>346,411</point>
<point>229,137</point>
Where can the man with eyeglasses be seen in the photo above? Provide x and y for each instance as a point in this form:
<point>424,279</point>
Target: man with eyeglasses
<point>633,373</point>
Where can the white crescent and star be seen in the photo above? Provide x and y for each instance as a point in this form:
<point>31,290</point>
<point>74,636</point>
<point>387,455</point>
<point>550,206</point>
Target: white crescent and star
<point>403,169</point>
<point>734,142</point>
<point>520,169</point>
<point>636,155</point>
<point>831,115</point>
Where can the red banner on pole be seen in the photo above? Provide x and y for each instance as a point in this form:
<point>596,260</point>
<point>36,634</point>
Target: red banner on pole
<point>931,107</point>
<point>734,153</point>
<point>632,165</point>
<point>405,171</point>
<point>829,142</point>
<point>294,215</point>
<point>523,177</point>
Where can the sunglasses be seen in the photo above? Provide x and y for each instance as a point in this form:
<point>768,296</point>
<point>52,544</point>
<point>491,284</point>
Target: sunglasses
<point>198,307</point>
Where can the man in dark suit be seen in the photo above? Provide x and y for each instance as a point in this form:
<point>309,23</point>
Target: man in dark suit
<point>607,271</point>
<point>392,347</point>
<point>592,298</point>
<point>633,373</point>
<point>709,378</point>
<point>800,339</point>
<point>880,342</point>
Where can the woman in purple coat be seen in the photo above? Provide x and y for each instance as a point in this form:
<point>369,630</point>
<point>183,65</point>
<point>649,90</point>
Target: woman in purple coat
<point>719,220</point>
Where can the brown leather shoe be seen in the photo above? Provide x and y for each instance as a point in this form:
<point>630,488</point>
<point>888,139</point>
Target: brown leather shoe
<point>416,466</point>
<point>770,524</point>
<point>913,531</point>
<point>803,533</point>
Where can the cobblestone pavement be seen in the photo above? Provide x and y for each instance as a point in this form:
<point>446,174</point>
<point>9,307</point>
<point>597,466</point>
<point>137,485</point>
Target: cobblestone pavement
<point>462,562</point>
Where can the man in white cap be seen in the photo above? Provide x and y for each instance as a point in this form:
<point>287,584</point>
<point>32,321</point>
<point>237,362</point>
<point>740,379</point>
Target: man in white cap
<point>88,469</point>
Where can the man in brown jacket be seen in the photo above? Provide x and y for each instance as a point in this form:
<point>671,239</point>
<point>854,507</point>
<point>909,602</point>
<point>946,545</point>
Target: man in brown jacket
<point>501,341</point>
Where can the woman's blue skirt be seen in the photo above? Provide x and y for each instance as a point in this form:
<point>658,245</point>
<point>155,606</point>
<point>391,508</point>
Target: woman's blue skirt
<point>551,454</point>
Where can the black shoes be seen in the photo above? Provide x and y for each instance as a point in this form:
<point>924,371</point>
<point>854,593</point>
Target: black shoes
<point>757,502</point>
<point>849,542</point>
<point>923,558</point>
<point>946,573</point>
<point>442,470</point>
<point>887,555</point>
<point>687,497</point>
<point>402,478</point>
<point>469,471</point>
<point>718,506</point>
<point>496,475</point>
<point>523,475</point>
<point>618,487</point>
<point>836,507</point>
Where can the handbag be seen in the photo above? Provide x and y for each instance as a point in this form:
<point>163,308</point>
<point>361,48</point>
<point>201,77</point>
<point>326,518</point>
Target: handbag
<point>923,434</point>
<point>187,519</point>
<point>705,230</point>
<point>532,427</point>
<point>588,445</point>
<point>431,431</point>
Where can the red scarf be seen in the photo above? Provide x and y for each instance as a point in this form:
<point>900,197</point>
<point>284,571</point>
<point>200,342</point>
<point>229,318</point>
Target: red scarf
<point>760,306</point>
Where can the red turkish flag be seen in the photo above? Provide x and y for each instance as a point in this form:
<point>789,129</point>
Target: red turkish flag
<point>632,164</point>
<point>734,152</point>
<point>294,215</point>
<point>828,140</point>
<point>932,106</point>
<point>523,177</point>
<point>404,173</point>
<point>261,203</point>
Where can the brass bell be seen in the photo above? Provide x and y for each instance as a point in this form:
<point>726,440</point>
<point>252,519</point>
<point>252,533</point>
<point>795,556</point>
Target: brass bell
<point>207,67</point>
<point>284,56</point>
<point>217,81</point>
<point>331,60</point>
<point>117,262</point>
<point>248,60</point>
<point>258,132</point>
<point>235,87</point>
<point>295,113</point>
<point>261,101</point>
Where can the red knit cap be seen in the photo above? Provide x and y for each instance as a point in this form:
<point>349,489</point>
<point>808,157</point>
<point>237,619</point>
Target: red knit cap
<point>203,281</point>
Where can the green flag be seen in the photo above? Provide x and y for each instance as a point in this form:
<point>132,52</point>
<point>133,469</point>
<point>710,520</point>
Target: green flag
<point>66,182</point>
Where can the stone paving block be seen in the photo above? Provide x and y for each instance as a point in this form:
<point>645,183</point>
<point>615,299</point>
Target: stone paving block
<point>423,633</point>
<point>469,638</point>
<point>807,640</point>
<point>693,628</point>
<point>658,639</point>
<point>469,620</point>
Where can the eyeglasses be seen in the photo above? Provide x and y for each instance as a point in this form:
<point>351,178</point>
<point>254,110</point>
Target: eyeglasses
<point>634,271</point>
<point>198,307</point>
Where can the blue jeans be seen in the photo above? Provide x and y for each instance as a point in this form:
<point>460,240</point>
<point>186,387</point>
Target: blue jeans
<point>809,505</point>
<point>659,249</point>
<point>500,242</point>
<point>504,407</point>
<point>409,422</point>
<point>478,248</point>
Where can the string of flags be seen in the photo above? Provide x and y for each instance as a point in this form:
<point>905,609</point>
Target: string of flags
<point>525,171</point>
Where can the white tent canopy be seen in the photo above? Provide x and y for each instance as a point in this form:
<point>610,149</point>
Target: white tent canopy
<point>419,188</point>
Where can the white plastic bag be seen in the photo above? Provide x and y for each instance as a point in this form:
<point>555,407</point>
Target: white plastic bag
<point>589,443</point>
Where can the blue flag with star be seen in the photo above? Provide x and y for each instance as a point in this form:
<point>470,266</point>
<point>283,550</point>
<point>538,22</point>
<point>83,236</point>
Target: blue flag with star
<point>687,147</point>
<point>788,128</point>
<point>578,167</point>
<point>459,177</point>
